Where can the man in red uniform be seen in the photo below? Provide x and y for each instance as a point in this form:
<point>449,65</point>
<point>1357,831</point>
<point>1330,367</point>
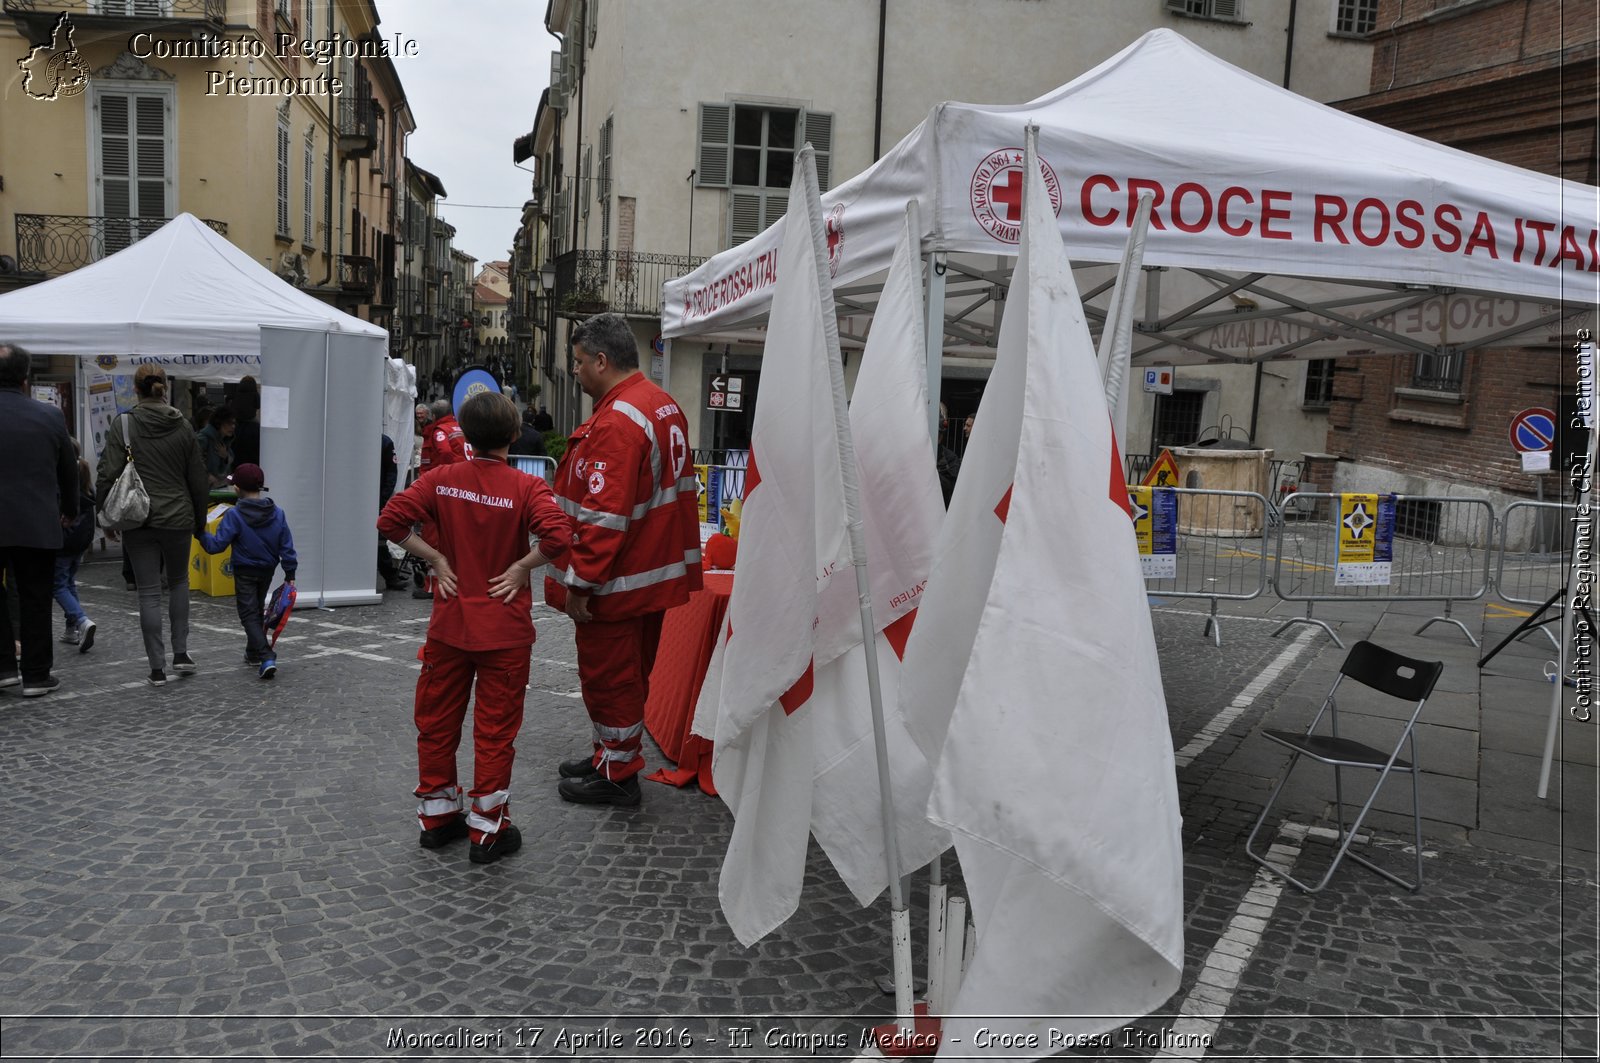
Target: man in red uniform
<point>443,443</point>
<point>480,514</point>
<point>627,483</point>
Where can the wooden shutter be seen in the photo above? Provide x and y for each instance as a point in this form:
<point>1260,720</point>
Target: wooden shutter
<point>605,185</point>
<point>714,168</point>
<point>818,132</point>
<point>283,176</point>
<point>310,191</point>
<point>1224,9</point>
<point>751,212</point>
<point>587,174</point>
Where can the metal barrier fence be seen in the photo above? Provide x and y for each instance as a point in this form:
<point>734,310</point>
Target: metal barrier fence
<point>533,464</point>
<point>1218,546</point>
<point>1439,551</point>
<point>1535,538</point>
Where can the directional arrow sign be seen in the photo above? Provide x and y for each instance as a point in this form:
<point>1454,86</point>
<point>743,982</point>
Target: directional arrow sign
<point>727,392</point>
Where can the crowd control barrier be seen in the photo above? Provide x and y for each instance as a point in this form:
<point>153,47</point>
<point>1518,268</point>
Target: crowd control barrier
<point>1532,565</point>
<point>1197,543</point>
<point>1365,547</point>
<point>533,464</point>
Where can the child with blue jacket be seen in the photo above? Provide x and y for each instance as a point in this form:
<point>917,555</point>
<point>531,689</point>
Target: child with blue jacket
<point>259,535</point>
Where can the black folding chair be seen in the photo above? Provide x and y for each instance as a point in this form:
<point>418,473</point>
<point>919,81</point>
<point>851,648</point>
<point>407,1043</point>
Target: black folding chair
<point>1382,670</point>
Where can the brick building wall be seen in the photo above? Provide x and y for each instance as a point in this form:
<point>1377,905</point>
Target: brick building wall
<point>1511,80</point>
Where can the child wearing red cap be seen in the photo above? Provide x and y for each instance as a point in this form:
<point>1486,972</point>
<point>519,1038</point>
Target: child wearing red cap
<point>259,534</point>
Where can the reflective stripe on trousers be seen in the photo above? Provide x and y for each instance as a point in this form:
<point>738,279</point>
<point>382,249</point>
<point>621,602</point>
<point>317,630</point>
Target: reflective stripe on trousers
<point>614,662</point>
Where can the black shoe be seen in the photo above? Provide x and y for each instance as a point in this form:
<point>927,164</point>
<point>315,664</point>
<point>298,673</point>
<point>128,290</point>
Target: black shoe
<point>158,678</point>
<point>10,679</point>
<point>183,664</point>
<point>397,583</point>
<point>577,768</point>
<point>503,843</point>
<point>596,789</point>
<point>38,688</point>
<point>425,595</point>
<point>436,837</point>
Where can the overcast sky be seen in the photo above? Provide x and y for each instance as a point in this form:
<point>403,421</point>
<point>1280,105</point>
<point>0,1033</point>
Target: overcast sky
<point>473,86</point>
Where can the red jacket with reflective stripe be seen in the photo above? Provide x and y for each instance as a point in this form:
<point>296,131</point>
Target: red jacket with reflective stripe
<point>443,443</point>
<point>479,515</point>
<point>627,483</point>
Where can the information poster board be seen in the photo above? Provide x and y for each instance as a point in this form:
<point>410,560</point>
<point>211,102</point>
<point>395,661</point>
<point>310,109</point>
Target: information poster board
<point>1366,541</point>
<point>1155,526</point>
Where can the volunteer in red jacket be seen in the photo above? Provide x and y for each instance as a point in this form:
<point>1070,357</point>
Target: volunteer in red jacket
<point>480,514</point>
<point>443,441</point>
<point>627,482</point>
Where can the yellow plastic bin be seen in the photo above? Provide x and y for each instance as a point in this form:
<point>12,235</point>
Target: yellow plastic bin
<point>211,573</point>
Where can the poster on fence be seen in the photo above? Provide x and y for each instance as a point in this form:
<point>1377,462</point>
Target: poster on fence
<point>710,477</point>
<point>1155,527</point>
<point>1366,541</point>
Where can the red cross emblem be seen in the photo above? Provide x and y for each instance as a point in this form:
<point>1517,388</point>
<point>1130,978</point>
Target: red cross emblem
<point>834,226</point>
<point>996,193</point>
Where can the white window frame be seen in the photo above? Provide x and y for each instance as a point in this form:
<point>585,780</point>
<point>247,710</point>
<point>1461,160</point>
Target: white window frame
<point>168,93</point>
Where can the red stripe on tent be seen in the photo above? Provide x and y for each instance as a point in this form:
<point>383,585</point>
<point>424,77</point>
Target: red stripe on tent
<point>1005,506</point>
<point>898,632</point>
<point>800,693</point>
<point>1119,487</point>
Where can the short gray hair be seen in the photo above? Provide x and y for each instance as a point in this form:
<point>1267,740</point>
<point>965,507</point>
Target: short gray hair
<point>440,408</point>
<point>611,335</point>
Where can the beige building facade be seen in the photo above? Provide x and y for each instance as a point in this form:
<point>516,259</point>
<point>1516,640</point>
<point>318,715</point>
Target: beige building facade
<point>648,167</point>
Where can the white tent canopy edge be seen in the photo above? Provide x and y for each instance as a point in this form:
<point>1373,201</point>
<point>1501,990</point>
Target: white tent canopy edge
<point>1297,232</point>
<point>186,298</point>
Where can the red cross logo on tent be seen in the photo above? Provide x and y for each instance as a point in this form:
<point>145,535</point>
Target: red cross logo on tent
<point>996,193</point>
<point>834,225</point>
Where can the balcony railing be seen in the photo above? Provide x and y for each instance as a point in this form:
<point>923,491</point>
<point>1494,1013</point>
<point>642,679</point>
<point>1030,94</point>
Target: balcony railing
<point>52,244</point>
<point>424,325</point>
<point>623,282</point>
<point>358,274</point>
<point>144,11</point>
<point>358,125</point>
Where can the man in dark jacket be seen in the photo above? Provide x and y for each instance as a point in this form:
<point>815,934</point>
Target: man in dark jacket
<point>388,474</point>
<point>530,441</point>
<point>39,482</point>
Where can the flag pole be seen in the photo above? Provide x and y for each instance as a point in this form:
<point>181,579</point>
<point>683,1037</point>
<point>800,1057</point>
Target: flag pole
<point>933,344</point>
<point>1116,337</point>
<point>899,913</point>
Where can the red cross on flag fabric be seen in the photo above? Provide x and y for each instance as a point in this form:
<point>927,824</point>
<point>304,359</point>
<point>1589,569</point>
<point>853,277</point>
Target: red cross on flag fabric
<point>1032,684</point>
<point>786,698</point>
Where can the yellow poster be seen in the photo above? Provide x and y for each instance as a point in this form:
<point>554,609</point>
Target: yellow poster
<point>701,472</point>
<point>1366,540</point>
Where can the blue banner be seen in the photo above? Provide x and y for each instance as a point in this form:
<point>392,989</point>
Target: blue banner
<point>469,383</point>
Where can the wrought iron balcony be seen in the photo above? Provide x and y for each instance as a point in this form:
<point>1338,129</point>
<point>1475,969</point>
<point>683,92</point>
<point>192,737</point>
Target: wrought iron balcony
<point>38,17</point>
<point>424,325</point>
<point>358,125</point>
<point>52,244</point>
<point>624,282</point>
<point>358,274</point>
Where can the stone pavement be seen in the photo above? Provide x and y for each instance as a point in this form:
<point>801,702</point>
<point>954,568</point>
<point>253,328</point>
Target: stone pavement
<point>225,867</point>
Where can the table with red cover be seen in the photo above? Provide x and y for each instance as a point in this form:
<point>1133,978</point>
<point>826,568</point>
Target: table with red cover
<point>688,635</point>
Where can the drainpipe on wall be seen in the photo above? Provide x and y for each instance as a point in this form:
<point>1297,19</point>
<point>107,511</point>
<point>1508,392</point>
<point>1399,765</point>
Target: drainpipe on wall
<point>327,192</point>
<point>877,111</point>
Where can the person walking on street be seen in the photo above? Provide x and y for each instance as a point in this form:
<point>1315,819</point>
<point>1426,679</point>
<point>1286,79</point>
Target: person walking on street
<point>76,538</point>
<point>480,514</point>
<point>39,483</point>
<point>627,483</point>
<point>168,460</point>
<point>259,533</point>
<point>388,476</point>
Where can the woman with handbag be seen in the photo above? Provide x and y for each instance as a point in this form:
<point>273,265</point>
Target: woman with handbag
<point>166,460</point>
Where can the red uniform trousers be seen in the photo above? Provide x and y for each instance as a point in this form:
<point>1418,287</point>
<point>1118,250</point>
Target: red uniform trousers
<point>441,706</point>
<point>614,662</point>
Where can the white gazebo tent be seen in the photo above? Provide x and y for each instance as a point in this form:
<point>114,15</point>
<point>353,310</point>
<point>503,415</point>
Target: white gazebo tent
<point>1282,228</point>
<point>186,298</point>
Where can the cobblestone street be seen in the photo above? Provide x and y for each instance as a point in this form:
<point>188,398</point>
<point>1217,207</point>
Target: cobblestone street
<point>227,867</point>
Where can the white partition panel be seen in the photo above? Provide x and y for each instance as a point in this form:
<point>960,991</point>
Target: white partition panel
<point>322,465</point>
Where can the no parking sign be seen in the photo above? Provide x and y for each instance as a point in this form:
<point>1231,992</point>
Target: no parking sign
<point>1533,429</point>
